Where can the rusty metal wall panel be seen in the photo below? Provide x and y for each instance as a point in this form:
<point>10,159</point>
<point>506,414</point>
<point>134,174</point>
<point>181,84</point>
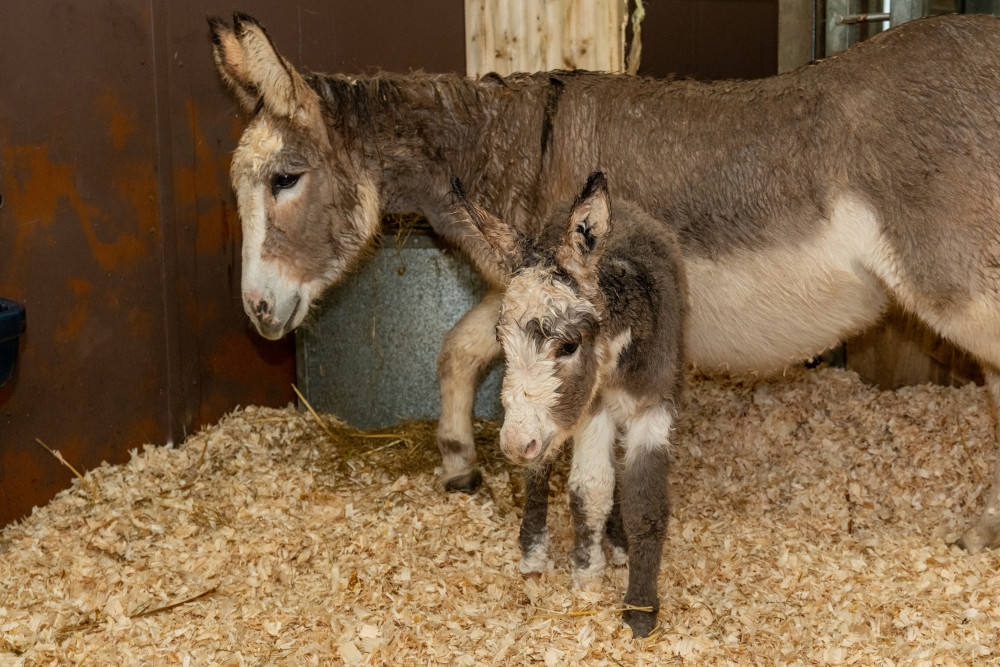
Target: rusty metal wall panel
<point>118,229</point>
<point>80,241</point>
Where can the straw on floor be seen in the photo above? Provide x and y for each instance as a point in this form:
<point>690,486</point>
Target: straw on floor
<point>810,524</point>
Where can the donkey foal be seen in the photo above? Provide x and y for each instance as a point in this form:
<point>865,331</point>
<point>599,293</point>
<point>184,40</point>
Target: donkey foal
<point>591,326</point>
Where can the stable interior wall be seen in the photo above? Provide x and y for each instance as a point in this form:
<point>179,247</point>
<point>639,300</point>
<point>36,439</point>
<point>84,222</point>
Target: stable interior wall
<point>119,230</point>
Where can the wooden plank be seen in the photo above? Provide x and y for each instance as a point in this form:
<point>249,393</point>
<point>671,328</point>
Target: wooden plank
<point>507,36</point>
<point>903,351</point>
<point>795,34</point>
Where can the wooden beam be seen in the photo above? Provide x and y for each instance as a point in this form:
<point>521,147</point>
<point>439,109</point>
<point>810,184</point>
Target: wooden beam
<point>507,36</point>
<point>795,34</point>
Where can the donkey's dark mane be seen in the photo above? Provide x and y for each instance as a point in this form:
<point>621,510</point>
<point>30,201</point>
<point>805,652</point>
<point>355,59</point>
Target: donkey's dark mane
<point>368,99</point>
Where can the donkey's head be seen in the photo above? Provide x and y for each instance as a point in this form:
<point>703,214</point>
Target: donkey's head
<point>308,206</point>
<point>550,323</point>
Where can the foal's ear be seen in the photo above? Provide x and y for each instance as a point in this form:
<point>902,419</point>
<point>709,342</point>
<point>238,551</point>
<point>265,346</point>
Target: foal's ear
<point>506,242</point>
<point>589,225</point>
<point>250,65</point>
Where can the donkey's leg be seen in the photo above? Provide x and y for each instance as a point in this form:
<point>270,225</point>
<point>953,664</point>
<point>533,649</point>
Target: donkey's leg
<point>973,325</point>
<point>644,511</point>
<point>591,494</point>
<point>467,349</point>
<point>614,530</point>
<point>985,533</point>
<point>534,536</point>
<point>952,253</point>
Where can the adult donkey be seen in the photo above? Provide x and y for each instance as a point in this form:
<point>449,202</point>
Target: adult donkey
<point>803,203</point>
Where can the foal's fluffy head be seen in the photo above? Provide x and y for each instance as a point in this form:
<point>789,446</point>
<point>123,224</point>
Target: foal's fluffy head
<point>550,323</point>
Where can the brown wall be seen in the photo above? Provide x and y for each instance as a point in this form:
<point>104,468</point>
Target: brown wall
<point>710,39</point>
<point>118,230</point>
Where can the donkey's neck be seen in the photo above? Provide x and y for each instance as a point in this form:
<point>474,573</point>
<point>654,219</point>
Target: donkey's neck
<point>435,133</point>
<point>422,129</point>
<point>522,145</point>
<point>417,131</point>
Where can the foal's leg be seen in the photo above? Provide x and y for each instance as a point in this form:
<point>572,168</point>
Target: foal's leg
<point>614,530</point>
<point>467,349</point>
<point>591,494</point>
<point>985,533</point>
<point>534,536</point>
<point>644,510</point>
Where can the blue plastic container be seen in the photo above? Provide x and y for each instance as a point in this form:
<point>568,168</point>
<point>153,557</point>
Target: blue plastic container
<point>12,323</point>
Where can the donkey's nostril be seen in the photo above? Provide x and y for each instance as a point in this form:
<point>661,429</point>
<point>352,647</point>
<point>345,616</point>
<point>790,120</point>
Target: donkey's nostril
<point>252,299</point>
<point>531,451</point>
<point>257,306</point>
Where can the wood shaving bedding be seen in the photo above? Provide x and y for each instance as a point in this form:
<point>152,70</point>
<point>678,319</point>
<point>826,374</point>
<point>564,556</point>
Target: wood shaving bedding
<point>810,524</point>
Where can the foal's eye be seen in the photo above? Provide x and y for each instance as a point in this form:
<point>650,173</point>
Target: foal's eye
<point>281,181</point>
<point>567,349</point>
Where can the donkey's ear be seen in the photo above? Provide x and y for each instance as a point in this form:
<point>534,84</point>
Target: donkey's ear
<point>506,242</point>
<point>589,225</point>
<point>230,63</point>
<point>248,62</point>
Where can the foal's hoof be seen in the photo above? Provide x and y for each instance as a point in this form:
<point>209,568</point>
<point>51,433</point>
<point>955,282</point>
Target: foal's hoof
<point>641,622</point>
<point>467,482</point>
<point>984,534</point>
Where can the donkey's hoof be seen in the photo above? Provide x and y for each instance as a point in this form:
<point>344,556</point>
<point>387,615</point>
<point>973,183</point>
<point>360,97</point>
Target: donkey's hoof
<point>984,534</point>
<point>641,622</point>
<point>467,482</point>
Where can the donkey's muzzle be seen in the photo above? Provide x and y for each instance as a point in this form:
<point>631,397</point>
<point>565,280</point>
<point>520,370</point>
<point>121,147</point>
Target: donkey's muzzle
<point>523,453</point>
<point>271,320</point>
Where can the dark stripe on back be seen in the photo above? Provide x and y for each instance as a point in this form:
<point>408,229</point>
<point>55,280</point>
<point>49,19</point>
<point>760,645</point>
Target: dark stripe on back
<point>555,91</point>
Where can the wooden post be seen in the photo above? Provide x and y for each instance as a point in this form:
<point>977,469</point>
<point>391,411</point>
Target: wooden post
<point>903,351</point>
<point>795,33</point>
<point>907,10</point>
<point>507,36</point>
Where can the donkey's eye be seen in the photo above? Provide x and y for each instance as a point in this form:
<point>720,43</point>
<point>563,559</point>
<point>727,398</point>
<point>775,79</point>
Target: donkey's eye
<point>282,181</point>
<point>567,349</point>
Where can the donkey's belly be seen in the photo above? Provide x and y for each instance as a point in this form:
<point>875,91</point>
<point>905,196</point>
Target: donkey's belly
<point>765,309</point>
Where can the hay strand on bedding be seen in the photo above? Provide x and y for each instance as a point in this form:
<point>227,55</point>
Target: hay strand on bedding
<point>316,416</point>
<point>59,457</point>
<point>168,607</point>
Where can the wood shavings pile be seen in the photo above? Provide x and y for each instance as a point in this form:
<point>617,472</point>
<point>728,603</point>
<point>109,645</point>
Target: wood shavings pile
<point>810,525</point>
